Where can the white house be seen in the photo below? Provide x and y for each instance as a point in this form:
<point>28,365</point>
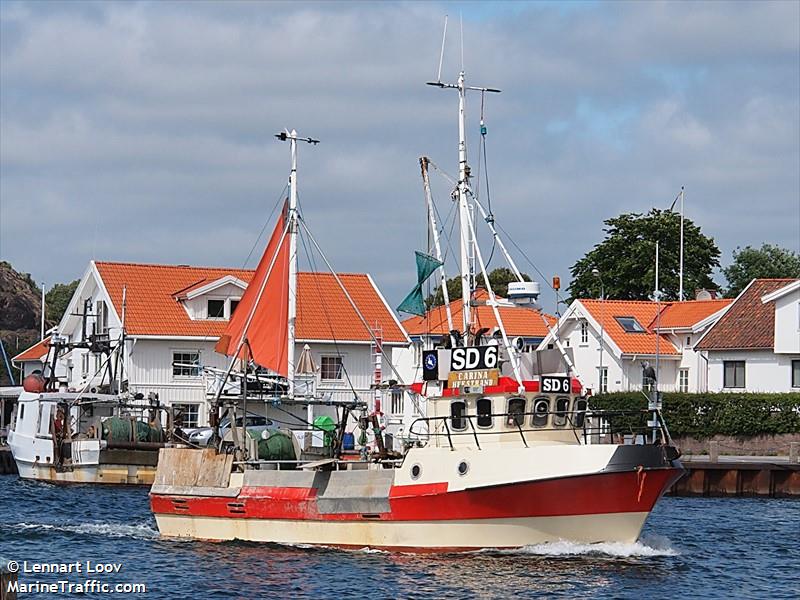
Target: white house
<point>614,340</point>
<point>174,314</point>
<point>755,345</point>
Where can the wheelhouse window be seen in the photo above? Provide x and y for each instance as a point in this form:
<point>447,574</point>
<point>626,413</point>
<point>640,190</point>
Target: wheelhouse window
<point>516,412</point>
<point>457,419</point>
<point>796,373</point>
<point>216,309</point>
<point>562,408</point>
<point>541,408</point>
<point>185,364</point>
<point>584,332</point>
<point>733,374</point>
<point>580,412</point>
<point>630,325</point>
<point>187,414</point>
<point>331,368</point>
<point>485,412</point>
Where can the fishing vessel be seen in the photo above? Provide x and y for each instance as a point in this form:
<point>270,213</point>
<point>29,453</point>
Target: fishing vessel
<point>99,434</point>
<point>507,453</point>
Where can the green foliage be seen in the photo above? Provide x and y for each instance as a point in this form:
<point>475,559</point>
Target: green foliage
<point>704,415</point>
<point>498,278</point>
<point>756,263</point>
<point>57,299</point>
<point>626,258</point>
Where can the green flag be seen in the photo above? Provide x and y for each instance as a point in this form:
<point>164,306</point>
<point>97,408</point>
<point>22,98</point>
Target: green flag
<point>414,303</point>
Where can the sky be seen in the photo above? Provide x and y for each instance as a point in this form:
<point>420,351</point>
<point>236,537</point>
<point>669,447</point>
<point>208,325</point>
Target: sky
<point>144,131</point>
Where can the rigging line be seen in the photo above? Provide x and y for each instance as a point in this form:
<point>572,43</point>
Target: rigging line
<point>355,308</point>
<point>350,300</point>
<point>325,309</point>
<point>525,256</point>
<point>281,196</point>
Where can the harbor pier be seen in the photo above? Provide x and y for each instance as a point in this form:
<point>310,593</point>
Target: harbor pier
<point>714,475</point>
<point>7,464</point>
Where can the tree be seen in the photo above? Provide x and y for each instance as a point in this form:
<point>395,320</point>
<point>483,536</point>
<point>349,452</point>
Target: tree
<point>626,258</point>
<point>755,263</point>
<point>57,299</point>
<point>498,278</point>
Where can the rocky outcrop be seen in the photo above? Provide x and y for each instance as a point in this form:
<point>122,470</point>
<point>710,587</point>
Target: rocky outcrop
<point>20,313</point>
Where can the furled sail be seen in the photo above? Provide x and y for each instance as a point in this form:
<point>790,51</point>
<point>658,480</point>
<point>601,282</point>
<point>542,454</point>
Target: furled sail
<point>414,303</point>
<point>261,318</point>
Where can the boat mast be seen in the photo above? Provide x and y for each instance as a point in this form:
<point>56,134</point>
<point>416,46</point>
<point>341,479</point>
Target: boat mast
<point>463,210</point>
<point>423,162</point>
<point>462,192</point>
<point>292,230</point>
<point>292,262</point>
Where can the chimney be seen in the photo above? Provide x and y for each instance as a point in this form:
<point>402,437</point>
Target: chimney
<point>704,294</point>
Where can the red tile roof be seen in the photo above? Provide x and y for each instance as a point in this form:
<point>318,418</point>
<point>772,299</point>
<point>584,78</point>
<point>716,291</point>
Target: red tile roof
<point>323,311</point>
<point>36,352</point>
<point>748,323</point>
<point>518,320</point>
<point>685,314</point>
<point>644,311</point>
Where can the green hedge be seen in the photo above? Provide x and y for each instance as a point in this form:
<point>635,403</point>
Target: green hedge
<point>704,415</point>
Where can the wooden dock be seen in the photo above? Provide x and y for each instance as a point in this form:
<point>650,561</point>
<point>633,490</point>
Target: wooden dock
<point>768,476</point>
<point>7,464</point>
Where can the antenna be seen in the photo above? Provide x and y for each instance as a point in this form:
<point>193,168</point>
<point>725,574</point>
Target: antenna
<point>461,23</point>
<point>441,54</point>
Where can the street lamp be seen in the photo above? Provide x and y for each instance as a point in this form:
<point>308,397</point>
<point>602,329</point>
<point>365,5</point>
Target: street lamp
<point>596,273</point>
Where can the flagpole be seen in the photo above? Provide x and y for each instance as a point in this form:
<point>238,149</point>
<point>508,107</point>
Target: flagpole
<point>680,273</point>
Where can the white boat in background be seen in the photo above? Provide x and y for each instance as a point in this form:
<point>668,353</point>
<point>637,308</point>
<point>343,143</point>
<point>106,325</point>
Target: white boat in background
<point>90,436</point>
<point>506,456</point>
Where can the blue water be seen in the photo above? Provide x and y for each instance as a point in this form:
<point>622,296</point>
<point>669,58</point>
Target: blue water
<point>691,547</point>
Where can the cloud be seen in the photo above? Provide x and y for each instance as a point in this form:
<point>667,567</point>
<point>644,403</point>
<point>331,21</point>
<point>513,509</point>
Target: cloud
<point>143,131</point>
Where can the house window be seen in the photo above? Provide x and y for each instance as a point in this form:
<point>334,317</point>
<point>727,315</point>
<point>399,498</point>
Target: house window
<point>234,304</point>
<point>397,402</point>
<point>186,415</point>
<point>584,332</point>
<point>331,367</point>
<point>216,309</point>
<point>101,321</point>
<point>185,364</point>
<point>85,364</point>
<point>516,412</point>
<point>733,376</point>
<point>485,412</point>
<point>796,373</point>
<point>630,325</point>
<point>603,380</point>
<point>457,420</point>
<point>683,380</point>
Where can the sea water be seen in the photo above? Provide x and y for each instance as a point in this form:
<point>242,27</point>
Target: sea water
<point>690,548</point>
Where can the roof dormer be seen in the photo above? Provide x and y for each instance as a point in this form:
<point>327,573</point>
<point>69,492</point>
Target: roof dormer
<point>212,300</point>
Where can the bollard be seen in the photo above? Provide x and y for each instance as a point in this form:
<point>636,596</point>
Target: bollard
<point>713,452</point>
<point>794,452</point>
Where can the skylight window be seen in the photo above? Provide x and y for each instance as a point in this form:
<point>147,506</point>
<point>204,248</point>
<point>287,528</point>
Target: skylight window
<point>630,325</point>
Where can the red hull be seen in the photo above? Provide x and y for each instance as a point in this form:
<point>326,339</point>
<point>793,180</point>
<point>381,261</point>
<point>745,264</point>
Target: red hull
<point>601,493</point>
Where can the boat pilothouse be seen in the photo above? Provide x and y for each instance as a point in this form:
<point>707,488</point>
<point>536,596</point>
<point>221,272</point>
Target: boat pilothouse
<point>98,434</point>
<point>507,453</point>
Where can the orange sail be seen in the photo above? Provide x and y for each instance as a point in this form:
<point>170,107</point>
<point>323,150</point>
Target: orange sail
<point>268,332</point>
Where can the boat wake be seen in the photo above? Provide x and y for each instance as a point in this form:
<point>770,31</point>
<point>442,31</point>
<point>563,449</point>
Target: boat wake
<point>143,531</point>
<point>645,547</point>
